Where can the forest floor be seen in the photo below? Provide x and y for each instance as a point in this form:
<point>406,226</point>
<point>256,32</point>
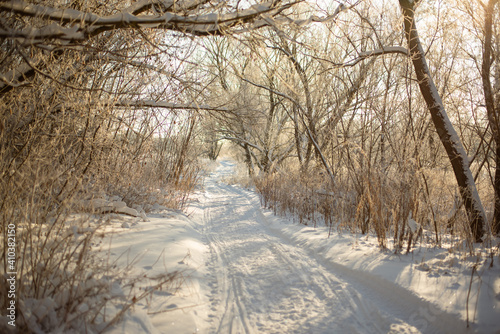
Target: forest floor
<point>245,270</point>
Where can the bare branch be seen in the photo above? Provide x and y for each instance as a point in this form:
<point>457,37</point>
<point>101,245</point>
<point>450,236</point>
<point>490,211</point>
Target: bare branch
<point>168,105</point>
<point>258,148</point>
<point>286,96</point>
<point>367,54</point>
<point>15,77</point>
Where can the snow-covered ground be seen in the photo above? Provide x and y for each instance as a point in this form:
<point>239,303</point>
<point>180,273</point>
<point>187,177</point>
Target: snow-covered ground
<point>247,271</point>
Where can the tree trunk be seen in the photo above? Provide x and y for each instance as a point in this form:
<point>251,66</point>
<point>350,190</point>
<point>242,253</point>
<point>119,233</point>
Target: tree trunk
<point>179,168</point>
<point>447,134</point>
<point>309,110</point>
<point>496,186</point>
<point>492,108</point>
<point>297,135</point>
<point>248,160</point>
<point>265,161</point>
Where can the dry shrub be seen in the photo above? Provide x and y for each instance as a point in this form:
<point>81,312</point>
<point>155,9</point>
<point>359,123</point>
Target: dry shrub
<point>368,200</point>
<point>50,165</point>
<point>298,197</point>
<point>52,160</point>
<point>146,178</point>
<point>58,148</point>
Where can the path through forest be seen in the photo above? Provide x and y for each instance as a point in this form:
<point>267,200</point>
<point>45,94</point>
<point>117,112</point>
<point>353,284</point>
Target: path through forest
<point>261,282</point>
<point>247,271</point>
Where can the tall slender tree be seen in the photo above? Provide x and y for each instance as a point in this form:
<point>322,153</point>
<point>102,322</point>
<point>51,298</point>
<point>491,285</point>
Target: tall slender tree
<point>447,134</point>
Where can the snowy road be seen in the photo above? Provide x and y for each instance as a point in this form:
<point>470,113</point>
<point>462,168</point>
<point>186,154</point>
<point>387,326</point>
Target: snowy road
<point>260,282</point>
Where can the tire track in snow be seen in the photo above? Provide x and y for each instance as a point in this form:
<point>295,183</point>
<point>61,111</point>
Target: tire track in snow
<point>265,283</point>
<point>233,317</point>
<point>325,285</point>
<point>295,300</point>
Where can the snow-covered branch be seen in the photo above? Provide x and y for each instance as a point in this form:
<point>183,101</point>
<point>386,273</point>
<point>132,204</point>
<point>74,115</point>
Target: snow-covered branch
<point>85,25</point>
<point>275,21</point>
<point>70,26</point>
<point>75,16</point>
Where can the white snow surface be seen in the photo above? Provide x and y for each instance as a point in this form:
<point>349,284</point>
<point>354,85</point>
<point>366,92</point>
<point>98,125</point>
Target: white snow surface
<point>248,271</point>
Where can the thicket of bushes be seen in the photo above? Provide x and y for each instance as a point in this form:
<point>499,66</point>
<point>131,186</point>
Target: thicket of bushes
<point>371,201</point>
<point>63,143</point>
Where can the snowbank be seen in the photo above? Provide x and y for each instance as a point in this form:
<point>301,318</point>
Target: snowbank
<point>437,275</point>
<point>169,242</point>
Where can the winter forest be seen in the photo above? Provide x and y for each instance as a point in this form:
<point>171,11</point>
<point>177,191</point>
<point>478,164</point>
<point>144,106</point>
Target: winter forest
<point>271,161</point>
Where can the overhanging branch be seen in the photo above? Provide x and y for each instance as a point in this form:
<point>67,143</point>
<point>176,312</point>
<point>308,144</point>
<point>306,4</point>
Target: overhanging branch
<point>85,25</point>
